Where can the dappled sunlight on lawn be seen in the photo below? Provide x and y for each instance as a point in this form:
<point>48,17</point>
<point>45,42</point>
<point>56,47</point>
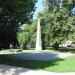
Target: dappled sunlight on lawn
<point>15,51</point>
<point>58,65</point>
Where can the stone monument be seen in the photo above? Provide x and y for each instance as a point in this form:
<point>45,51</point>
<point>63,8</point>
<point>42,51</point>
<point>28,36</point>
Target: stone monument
<point>38,37</point>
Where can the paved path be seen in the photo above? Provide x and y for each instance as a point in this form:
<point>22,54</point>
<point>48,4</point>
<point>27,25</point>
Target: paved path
<point>9,70</point>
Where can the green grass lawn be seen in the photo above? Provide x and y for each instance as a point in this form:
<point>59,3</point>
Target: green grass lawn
<point>58,65</point>
<point>67,49</point>
<point>14,51</point>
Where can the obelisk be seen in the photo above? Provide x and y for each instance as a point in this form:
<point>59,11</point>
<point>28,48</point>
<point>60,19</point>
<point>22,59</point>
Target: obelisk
<point>38,37</point>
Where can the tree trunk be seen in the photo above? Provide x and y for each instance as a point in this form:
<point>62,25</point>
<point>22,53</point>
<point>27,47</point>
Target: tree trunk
<point>56,46</point>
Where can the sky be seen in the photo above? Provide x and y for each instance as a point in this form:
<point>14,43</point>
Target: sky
<point>73,11</point>
<point>39,8</point>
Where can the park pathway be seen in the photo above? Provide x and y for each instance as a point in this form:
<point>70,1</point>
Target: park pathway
<point>12,70</point>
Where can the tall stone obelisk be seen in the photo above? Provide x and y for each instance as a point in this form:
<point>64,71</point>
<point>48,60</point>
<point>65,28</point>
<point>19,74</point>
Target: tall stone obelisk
<point>38,37</point>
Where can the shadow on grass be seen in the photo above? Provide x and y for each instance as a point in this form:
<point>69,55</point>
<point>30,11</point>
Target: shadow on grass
<point>67,50</point>
<point>40,56</point>
<point>33,64</point>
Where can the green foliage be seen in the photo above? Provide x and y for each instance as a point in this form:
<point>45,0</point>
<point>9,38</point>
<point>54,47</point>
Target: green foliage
<point>21,38</point>
<point>28,35</point>
<point>32,33</point>
<point>13,12</point>
<point>57,23</point>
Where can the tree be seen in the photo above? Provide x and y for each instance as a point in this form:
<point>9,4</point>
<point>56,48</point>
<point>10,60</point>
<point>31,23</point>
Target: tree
<point>57,22</point>
<point>22,39</point>
<point>14,13</point>
<point>27,36</point>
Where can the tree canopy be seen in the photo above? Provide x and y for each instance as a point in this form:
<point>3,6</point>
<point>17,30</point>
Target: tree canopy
<point>58,21</point>
<point>28,35</point>
<point>57,24</point>
<point>13,13</point>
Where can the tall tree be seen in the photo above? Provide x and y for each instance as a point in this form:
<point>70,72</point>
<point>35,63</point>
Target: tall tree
<point>13,13</point>
<point>28,35</point>
<point>58,21</point>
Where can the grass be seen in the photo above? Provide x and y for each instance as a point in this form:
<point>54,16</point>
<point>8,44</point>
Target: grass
<point>14,51</point>
<point>67,49</point>
<point>58,65</point>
